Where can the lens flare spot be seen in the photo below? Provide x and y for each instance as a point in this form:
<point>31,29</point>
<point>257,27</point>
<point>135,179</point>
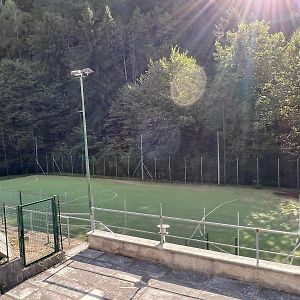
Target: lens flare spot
<point>188,85</point>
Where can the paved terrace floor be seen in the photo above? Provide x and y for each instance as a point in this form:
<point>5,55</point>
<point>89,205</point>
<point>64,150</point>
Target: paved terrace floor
<point>95,275</point>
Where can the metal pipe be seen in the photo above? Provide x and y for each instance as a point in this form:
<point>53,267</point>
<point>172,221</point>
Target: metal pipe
<point>199,222</point>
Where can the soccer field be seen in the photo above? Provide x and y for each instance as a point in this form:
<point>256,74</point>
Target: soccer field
<point>266,208</point>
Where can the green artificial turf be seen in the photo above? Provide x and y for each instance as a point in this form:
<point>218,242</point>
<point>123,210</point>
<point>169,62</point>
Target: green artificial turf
<point>264,208</point>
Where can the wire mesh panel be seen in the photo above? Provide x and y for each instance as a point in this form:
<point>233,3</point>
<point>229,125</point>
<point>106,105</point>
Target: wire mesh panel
<point>38,230</point>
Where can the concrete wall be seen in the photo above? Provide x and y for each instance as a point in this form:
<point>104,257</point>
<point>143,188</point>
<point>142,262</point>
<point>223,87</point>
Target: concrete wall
<point>268,274</point>
<point>12,272</point>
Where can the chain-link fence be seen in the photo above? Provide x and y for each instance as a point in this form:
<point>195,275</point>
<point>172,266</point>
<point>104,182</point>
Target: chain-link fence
<point>38,224</point>
<point>30,227</point>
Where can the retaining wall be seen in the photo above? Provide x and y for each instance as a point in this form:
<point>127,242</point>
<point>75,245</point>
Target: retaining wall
<point>267,274</point>
<point>13,273</point>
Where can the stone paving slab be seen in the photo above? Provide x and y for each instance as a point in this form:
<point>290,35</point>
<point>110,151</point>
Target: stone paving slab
<point>95,275</point>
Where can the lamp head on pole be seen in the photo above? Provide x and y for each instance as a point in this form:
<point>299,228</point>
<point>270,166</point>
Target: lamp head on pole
<point>81,73</point>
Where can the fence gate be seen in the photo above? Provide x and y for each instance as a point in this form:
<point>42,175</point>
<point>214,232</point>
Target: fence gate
<point>39,232</point>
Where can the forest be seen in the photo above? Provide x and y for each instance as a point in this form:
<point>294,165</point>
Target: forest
<point>144,55</point>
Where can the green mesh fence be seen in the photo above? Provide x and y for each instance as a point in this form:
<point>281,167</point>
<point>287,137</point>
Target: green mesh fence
<point>38,230</point>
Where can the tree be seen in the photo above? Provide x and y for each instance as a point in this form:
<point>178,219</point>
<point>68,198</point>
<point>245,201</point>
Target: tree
<point>151,108</point>
<point>246,61</point>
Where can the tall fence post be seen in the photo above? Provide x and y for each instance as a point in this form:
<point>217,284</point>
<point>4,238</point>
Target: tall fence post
<point>238,233</point>
<point>161,226</point>
<point>185,170</point>
<point>125,215</point>
<point>72,167</point>
<point>68,230</point>
<point>218,158</point>
<point>257,171</point>
<point>204,219</point>
<point>20,198</point>
<point>201,169</point>
<point>170,176</point>
<point>257,246</point>
<point>128,166</point>
<point>116,166</point>
<point>278,172</point>
<point>155,165</point>
<point>21,234</point>
<point>237,171</point>
<point>297,173</point>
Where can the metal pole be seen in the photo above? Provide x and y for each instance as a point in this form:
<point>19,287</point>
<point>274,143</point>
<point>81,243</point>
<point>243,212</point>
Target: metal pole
<point>125,214</point>
<point>86,151</point>
<point>257,246</point>
<point>36,156</point>
<point>224,144</point>
<point>237,171</point>
<point>204,219</point>
<point>72,167</point>
<point>128,166</point>
<point>68,230</point>
<point>257,171</point>
<point>104,169</point>
<point>170,177</point>
<point>142,158</point>
<point>297,173</point>
<point>238,233</point>
<point>161,226</point>
<point>155,163</point>
<point>116,165</point>
<point>184,170</point>
<point>201,169</point>
<point>299,217</point>
<point>218,149</point>
<point>278,172</point>
<point>20,198</point>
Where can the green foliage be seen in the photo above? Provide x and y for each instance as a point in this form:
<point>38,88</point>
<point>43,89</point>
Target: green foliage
<point>251,91</point>
<point>147,107</point>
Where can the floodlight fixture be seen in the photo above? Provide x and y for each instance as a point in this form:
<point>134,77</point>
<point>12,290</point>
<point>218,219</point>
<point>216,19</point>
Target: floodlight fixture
<point>82,73</point>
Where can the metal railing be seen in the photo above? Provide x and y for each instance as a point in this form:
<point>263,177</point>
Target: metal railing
<point>160,221</point>
<point>72,223</point>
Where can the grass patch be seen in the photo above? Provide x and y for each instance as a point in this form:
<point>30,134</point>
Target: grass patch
<point>258,207</point>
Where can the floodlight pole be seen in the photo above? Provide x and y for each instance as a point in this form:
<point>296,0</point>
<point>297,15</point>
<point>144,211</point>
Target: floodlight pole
<point>80,74</point>
<point>86,151</point>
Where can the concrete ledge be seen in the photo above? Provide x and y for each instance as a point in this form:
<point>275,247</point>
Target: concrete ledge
<point>268,274</point>
<point>12,272</point>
